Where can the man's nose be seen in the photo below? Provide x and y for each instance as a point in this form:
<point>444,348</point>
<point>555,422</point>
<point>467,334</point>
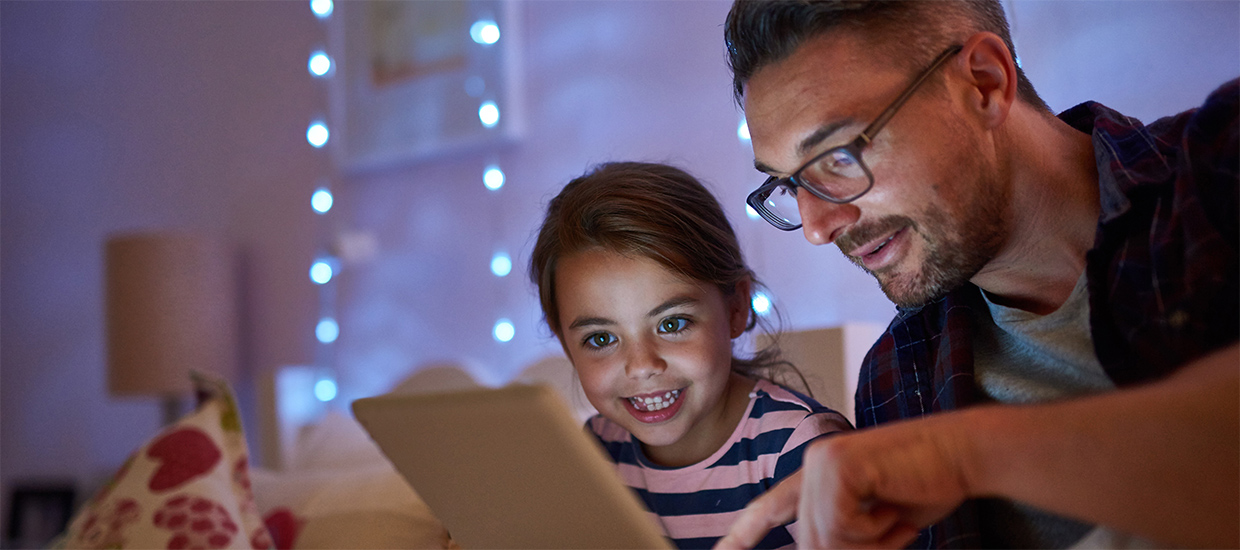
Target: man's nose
<point>824,221</point>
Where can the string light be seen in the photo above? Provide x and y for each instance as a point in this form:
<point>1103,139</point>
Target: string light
<point>320,64</point>
<point>484,31</point>
<point>324,269</point>
<point>761,303</point>
<point>317,134</point>
<point>321,201</point>
<point>321,8</point>
<point>504,331</point>
<point>321,272</point>
<point>501,264</point>
<point>493,178</point>
<point>325,389</point>
<point>488,113</point>
<point>327,330</point>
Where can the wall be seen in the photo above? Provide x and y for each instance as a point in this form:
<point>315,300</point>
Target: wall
<point>124,116</point>
<point>608,81</point>
<point>128,115</point>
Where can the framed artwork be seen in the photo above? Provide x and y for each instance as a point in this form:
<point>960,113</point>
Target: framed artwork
<point>421,79</point>
<point>37,514</point>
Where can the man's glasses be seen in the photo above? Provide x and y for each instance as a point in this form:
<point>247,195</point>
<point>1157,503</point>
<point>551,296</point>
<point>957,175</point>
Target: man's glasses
<point>838,174</point>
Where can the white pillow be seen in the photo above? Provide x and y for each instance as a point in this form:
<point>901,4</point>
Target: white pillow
<point>337,441</point>
<point>361,507</point>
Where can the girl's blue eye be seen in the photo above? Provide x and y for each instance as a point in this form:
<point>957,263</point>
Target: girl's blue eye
<point>599,340</point>
<point>673,324</point>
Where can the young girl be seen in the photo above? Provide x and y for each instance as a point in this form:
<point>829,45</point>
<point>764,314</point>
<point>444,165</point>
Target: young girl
<point>641,278</point>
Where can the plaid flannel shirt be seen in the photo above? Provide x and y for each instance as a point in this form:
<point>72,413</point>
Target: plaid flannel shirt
<point>1162,276</point>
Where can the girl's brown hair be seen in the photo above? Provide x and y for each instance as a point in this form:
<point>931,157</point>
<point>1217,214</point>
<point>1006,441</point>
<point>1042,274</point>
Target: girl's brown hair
<point>654,211</point>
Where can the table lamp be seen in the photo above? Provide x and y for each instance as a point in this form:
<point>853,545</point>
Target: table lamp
<point>171,309</point>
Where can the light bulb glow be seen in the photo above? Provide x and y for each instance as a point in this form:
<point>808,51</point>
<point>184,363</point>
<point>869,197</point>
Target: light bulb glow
<point>321,201</point>
<point>761,304</point>
<point>488,113</point>
<point>317,134</point>
<point>493,178</point>
<point>320,64</point>
<point>321,272</point>
<point>501,264</point>
<point>321,8</point>
<point>325,389</point>
<point>504,331</point>
<point>742,131</point>
<point>484,31</point>
<point>327,330</point>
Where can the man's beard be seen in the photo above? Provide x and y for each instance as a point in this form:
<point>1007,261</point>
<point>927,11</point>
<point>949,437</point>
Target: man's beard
<point>953,255</point>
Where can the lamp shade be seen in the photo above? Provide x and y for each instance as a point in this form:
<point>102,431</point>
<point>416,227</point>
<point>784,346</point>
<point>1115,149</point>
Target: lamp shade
<point>171,308</point>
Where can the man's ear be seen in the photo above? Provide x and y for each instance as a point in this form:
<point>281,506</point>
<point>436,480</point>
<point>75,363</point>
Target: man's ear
<point>992,77</point>
<point>740,308</point>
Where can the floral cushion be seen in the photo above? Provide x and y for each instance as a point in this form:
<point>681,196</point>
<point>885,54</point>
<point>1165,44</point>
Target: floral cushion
<point>189,487</point>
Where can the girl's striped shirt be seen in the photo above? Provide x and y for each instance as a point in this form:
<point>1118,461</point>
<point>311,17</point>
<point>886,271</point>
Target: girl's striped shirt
<point>697,504</point>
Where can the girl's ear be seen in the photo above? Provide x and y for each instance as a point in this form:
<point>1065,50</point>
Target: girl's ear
<point>740,308</point>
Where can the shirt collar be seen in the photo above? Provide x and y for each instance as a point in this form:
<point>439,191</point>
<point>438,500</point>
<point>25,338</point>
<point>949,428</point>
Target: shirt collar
<point>1120,144</point>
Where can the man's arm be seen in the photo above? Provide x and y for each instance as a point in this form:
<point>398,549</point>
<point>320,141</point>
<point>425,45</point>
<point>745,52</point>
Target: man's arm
<point>1160,460</point>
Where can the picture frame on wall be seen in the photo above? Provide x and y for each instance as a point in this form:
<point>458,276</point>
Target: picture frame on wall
<point>420,80</point>
<point>38,513</point>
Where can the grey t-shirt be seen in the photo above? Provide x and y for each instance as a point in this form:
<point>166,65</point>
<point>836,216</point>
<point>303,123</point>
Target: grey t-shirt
<point>1022,357</point>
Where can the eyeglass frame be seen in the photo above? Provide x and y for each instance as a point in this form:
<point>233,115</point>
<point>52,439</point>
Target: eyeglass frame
<point>853,148</point>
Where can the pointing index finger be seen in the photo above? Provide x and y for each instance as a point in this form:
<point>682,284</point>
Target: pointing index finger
<point>774,508</point>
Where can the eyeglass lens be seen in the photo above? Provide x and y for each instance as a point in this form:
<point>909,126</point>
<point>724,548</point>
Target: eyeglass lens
<point>781,202</point>
<point>837,174</point>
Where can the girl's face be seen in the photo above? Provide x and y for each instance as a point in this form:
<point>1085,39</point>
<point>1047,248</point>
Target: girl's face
<point>653,351</point>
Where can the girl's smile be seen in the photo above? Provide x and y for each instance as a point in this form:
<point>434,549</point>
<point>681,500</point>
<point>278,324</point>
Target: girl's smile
<point>655,408</point>
<point>653,350</point>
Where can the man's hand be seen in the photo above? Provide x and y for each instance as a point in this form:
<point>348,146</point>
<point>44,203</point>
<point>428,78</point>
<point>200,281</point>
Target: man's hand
<point>869,489</point>
<point>770,510</point>
<point>877,488</point>
<point>1079,458</point>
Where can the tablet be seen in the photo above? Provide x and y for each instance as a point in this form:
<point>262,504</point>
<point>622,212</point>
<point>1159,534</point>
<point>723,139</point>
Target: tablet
<point>508,468</point>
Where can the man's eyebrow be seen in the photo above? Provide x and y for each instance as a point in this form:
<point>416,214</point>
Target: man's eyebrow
<point>808,144</point>
<point>821,134</point>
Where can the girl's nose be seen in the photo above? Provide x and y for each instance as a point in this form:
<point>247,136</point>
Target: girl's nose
<point>643,362</point>
<point>824,221</point>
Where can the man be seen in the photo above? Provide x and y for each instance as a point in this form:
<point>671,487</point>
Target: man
<point>1082,266</point>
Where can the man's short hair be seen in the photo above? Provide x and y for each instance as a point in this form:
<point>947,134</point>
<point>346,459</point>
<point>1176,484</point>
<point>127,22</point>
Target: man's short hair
<point>907,33</point>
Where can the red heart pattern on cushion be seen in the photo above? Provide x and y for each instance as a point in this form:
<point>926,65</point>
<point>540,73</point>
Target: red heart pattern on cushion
<point>105,526</point>
<point>183,455</point>
<point>196,522</point>
<point>284,527</point>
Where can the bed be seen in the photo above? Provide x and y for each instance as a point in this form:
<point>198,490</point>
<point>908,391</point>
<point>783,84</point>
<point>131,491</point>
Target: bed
<point>193,484</point>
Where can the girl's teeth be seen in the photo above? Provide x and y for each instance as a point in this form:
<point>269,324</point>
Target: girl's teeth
<point>656,403</point>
